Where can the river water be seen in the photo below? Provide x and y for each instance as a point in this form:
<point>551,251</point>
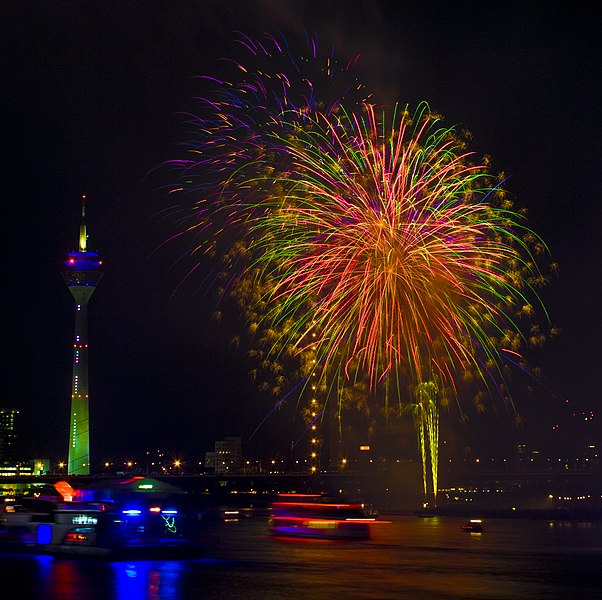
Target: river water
<point>408,558</point>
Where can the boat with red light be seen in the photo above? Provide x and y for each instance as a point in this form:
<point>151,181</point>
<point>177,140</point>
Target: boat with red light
<point>473,526</point>
<point>316,516</point>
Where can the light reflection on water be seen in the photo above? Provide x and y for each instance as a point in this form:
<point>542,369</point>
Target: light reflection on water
<point>411,557</point>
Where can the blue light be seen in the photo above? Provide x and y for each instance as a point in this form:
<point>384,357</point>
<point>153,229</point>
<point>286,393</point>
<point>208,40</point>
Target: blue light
<point>132,512</point>
<point>44,533</point>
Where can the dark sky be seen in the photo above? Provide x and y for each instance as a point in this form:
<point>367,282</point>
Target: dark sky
<point>93,93</point>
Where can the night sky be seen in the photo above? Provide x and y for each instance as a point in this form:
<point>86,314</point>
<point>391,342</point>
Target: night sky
<point>93,96</point>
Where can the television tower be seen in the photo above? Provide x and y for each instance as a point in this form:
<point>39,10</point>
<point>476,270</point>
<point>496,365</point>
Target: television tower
<point>81,276</point>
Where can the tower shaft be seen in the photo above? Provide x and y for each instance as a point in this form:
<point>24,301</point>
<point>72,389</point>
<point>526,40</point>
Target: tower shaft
<point>79,429</point>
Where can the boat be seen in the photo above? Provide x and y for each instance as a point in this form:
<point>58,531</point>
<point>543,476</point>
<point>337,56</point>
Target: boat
<point>473,526</point>
<point>316,516</point>
<point>98,529</point>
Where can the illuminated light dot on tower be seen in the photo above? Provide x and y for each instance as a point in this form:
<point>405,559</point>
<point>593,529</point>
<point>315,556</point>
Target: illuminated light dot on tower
<point>82,275</point>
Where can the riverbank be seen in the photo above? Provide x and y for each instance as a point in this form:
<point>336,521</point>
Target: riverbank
<point>552,514</point>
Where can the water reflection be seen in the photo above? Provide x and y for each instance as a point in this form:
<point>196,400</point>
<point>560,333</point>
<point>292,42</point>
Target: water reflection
<point>413,558</point>
<point>147,580</point>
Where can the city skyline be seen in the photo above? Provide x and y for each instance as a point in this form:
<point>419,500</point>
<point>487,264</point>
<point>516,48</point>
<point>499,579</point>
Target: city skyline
<point>94,110</point>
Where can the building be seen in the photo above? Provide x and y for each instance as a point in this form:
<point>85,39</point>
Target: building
<point>12,462</point>
<point>8,436</point>
<point>227,456</point>
<point>81,275</point>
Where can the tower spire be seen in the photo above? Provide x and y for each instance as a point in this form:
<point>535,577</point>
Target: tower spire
<point>83,236</point>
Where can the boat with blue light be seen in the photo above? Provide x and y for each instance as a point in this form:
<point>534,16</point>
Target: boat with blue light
<point>128,526</point>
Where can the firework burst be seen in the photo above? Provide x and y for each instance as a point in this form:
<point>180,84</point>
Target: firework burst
<point>373,247</point>
<point>409,255</point>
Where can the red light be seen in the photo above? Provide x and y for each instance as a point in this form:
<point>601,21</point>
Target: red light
<point>75,538</point>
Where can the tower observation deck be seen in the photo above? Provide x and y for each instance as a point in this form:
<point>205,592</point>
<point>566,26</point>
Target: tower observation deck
<point>82,274</point>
